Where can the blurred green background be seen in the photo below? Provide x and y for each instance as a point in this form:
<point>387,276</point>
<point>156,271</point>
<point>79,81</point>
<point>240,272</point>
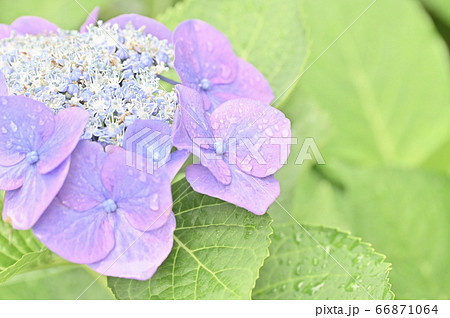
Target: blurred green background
<point>377,103</point>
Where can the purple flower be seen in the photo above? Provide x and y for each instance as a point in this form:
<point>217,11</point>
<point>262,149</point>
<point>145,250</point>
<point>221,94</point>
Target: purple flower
<point>153,27</point>
<point>35,147</point>
<point>109,215</point>
<point>151,140</point>
<point>239,148</point>
<point>37,25</point>
<point>205,61</point>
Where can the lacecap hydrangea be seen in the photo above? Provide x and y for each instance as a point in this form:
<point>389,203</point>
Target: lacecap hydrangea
<point>88,124</point>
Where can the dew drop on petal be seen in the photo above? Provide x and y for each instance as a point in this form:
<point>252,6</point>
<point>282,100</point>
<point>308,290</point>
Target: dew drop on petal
<point>154,204</point>
<point>13,126</point>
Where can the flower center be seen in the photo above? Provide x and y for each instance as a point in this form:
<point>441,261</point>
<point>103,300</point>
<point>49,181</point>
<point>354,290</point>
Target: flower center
<point>205,84</point>
<point>32,157</point>
<point>114,77</point>
<point>109,205</point>
<point>219,147</point>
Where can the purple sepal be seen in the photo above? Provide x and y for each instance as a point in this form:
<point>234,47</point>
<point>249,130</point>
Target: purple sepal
<point>33,25</point>
<point>26,204</point>
<point>79,237</point>
<point>5,31</point>
<point>136,254</point>
<point>69,126</point>
<point>248,192</point>
<point>205,61</point>
<point>152,27</point>
<point>91,19</point>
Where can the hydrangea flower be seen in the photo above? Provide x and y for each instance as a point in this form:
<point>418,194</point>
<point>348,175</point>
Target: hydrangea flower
<point>120,221</point>
<point>114,76</point>
<point>35,147</point>
<point>205,61</point>
<point>229,169</point>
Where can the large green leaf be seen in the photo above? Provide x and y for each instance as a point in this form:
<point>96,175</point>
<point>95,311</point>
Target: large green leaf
<point>404,213</point>
<point>63,282</point>
<point>218,251</point>
<point>384,83</point>
<point>300,268</point>
<point>269,33</point>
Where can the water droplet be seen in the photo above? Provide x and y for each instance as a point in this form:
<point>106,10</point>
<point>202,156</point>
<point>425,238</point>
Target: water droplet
<point>13,126</point>
<point>154,203</point>
<point>4,130</point>
<point>298,237</point>
<point>215,125</point>
<point>269,132</point>
<point>246,168</point>
<point>285,133</point>
<point>298,286</point>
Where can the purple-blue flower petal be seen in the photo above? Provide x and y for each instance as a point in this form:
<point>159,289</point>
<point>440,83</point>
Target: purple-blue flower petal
<point>175,163</point>
<point>149,138</point>
<point>251,193</point>
<point>259,130</point>
<point>69,126</point>
<point>5,31</point>
<point>145,199</point>
<point>33,25</point>
<point>152,27</point>
<point>83,188</point>
<point>80,237</point>
<point>25,124</point>
<point>91,19</point>
<point>249,83</point>
<point>193,116</point>
<point>25,205</point>
<point>12,177</point>
<point>206,51</point>
<point>136,254</point>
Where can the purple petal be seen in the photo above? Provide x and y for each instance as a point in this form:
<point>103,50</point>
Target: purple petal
<point>13,177</point>
<point>149,138</point>
<point>136,254</point>
<point>175,163</point>
<point>193,116</point>
<point>85,237</point>
<point>5,31</point>
<point>91,19</point>
<point>25,205</point>
<point>215,164</point>
<point>258,130</point>
<point>69,126</point>
<point>253,194</point>
<point>206,51</point>
<point>180,137</point>
<point>84,178</point>
<point>152,27</point>
<point>249,83</point>
<point>25,125</point>
<point>145,199</point>
<point>33,25</point>
<point>3,85</point>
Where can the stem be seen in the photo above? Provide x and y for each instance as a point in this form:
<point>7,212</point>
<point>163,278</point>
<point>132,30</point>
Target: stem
<point>168,80</point>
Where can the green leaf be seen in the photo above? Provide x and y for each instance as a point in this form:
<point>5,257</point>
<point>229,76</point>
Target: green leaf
<point>384,83</point>
<point>217,253</point>
<point>269,34</point>
<point>63,282</point>
<point>300,268</point>
<point>404,213</point>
